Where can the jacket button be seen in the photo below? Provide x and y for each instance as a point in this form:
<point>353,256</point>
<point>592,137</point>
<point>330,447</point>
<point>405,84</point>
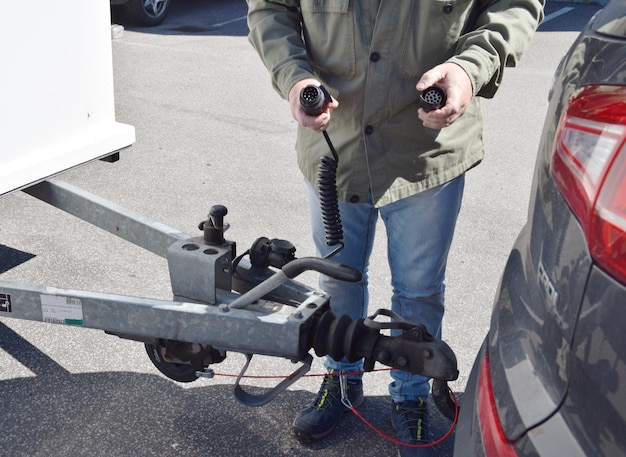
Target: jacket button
<point>374,57</point>
<point>448,7</point>
<point>369,130</point>
<point>354,199</point>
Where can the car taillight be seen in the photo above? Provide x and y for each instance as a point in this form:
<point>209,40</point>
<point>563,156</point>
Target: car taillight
<point>495,442</point>
<point>589,167</point>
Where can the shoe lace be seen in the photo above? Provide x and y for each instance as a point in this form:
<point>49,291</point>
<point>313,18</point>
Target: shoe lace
<point>412,420</point>
<point>329,393</point>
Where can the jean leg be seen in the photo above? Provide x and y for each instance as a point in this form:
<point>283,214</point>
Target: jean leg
<point>359,226</point>
<point>420,229</point>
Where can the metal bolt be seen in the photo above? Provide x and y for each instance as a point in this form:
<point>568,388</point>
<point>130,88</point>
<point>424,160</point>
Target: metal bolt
<point>298,315</point>
<point>427,353</point>
<point>402,361</point>
<point>224,308</point>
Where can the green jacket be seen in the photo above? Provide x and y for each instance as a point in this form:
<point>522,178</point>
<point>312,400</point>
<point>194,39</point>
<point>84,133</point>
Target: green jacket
<point>370,55</point>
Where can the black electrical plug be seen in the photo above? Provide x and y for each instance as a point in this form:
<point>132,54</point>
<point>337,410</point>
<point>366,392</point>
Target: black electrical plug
<point>314,100</point>
<point>433,98</point>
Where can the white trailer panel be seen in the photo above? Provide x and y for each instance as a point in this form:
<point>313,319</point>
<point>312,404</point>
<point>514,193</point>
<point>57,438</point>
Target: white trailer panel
<point>57,106</point>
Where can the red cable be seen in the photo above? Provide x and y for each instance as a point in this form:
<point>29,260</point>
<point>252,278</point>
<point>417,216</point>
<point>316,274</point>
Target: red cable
<point>359,415</point>
<point>401,443</point>
<point>228,375</point>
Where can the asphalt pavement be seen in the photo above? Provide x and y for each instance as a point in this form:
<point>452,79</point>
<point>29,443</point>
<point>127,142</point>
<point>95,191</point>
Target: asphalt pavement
<point>210,130</point>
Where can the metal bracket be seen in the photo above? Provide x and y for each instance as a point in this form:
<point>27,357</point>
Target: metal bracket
<point>198,270</point>
<point>249,399</point>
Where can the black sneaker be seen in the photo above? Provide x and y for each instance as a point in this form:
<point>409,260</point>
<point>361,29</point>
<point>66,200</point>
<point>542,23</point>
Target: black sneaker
<point>410,421</point>
<point>318,420</point>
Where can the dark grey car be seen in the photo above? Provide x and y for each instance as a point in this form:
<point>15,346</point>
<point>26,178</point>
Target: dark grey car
<point>550,379</point>
<point>144,12</point>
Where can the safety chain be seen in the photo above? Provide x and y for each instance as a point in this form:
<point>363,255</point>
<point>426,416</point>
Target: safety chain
<point>343,384</point>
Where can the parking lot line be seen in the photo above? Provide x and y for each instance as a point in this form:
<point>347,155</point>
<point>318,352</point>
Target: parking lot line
<point>557,13</point>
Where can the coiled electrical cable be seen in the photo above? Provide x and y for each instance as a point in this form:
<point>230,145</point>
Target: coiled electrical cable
<point>329,203</point>
<point>313,100</point>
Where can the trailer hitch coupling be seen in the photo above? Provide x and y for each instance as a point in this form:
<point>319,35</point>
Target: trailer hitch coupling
<point>414,350</point>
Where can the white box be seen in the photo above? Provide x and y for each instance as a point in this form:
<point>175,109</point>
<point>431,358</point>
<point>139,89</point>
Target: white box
<point>57,106</point>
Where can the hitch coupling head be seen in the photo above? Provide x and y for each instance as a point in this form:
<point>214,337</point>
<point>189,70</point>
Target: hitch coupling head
<point>414,350</point>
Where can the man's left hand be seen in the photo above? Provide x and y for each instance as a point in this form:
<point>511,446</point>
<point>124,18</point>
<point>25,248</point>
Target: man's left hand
<point>458,86</point>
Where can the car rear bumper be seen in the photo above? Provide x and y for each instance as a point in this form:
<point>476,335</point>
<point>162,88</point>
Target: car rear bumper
<point>468,439</point>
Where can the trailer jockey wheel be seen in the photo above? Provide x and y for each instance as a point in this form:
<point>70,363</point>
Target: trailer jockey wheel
<point>181,372</point>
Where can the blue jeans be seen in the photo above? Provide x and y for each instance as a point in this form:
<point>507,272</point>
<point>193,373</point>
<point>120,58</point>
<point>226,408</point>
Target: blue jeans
<point>419,234</point>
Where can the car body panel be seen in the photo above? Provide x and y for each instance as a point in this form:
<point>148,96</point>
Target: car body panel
<point>534,328</point>
<point>598,361</point>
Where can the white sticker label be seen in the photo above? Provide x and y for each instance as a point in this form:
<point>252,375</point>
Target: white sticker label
<point>62,310</point>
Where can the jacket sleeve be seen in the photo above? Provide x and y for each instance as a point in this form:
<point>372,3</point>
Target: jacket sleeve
<point>502,31</point>
<point>276,34</point>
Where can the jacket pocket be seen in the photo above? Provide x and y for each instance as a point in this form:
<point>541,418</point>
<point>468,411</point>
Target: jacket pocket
<point>329,36</point>
<point>432,33</point>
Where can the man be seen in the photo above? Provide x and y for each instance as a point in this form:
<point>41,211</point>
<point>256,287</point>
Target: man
<point>396,159</point>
